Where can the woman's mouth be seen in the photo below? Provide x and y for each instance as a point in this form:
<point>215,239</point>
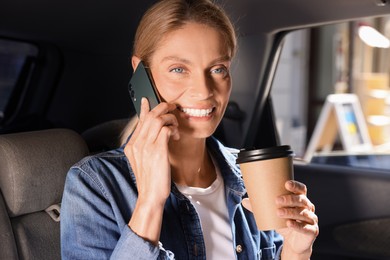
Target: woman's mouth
<point>194,112</point>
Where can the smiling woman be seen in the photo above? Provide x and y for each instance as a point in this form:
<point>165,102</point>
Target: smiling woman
<point>77,78</point>
<point>173,191</point>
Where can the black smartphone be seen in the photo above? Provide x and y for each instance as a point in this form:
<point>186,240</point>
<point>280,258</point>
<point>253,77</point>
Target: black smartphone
<point>142,85</point>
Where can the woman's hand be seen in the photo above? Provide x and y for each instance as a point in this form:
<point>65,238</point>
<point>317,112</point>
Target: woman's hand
<point>147,151</point>
<point>302,223</point>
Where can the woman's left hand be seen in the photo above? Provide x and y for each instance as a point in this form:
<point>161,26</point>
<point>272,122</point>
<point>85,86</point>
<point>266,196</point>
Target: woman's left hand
<point>302,222</point>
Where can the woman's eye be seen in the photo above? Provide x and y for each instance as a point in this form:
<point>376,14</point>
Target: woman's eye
<point>177,70</point>
<point>220,71</point>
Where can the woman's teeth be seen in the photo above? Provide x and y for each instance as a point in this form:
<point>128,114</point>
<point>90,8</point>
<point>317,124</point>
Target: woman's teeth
<point>197,112</point>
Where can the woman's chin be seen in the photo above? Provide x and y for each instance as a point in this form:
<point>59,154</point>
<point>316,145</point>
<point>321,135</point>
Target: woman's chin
<point>197,133</point>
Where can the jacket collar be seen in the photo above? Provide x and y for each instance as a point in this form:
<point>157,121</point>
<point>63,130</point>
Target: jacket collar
<point>226,159</point>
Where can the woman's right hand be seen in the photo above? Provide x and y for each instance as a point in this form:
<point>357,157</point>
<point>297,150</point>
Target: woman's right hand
<point>147,151</point>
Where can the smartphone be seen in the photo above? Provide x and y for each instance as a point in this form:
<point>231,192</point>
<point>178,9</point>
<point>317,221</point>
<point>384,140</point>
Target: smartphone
<point>142,85</point>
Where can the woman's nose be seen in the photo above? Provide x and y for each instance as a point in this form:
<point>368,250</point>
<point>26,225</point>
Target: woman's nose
<point>202,88</point>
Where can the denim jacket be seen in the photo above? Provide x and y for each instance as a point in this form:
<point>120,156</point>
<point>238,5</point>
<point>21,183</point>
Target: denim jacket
<point>100,196</point>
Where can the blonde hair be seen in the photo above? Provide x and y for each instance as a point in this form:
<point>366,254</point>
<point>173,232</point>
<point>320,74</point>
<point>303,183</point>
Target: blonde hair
<point>168,15</point>
<point>128,130</point>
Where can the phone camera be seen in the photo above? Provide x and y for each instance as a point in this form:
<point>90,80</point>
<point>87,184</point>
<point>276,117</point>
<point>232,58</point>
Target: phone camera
<point>132,95</point>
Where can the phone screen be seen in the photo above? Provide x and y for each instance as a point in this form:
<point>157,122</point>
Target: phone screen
<point>141,85</point>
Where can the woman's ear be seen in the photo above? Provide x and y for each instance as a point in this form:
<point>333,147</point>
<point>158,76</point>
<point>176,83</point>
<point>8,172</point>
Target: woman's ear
<point>135,61</point>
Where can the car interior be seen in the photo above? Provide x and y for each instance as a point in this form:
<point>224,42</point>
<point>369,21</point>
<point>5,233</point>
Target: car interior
<point>64,73</point>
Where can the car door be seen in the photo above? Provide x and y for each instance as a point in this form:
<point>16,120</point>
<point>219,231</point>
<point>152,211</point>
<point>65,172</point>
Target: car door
<point>292,65</point>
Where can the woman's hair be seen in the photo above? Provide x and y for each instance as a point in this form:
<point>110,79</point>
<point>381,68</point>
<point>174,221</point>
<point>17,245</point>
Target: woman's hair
<point>168,15</point>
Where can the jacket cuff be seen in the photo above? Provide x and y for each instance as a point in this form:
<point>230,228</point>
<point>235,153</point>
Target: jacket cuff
<point>133,246</point>
<point>278,255</point>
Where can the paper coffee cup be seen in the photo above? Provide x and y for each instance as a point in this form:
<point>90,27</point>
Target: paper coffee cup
<point>265,172</point>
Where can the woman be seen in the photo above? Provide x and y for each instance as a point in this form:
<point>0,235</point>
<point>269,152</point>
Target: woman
<point>173,191</point>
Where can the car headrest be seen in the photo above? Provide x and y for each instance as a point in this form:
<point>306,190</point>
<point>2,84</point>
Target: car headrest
<point>33,167</point>
<point>105,136</point>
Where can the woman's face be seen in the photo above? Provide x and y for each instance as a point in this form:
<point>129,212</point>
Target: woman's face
<point>191,69</point>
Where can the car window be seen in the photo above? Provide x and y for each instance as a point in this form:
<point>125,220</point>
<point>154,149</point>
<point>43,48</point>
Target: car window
<point>13,58</point>
<point>331,93</point>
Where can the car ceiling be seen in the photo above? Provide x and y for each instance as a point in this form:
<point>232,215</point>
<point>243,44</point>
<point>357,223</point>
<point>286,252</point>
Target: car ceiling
<point>107,26</point>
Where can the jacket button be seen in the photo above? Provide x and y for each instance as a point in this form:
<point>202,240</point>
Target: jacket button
<point>238,248</point>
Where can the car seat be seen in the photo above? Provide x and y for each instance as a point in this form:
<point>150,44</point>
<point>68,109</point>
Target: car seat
<point>105,136</point>
<point>33,167</point>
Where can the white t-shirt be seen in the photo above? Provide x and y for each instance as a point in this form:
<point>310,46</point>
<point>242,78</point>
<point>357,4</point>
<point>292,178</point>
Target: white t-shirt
<point>210,204</point>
